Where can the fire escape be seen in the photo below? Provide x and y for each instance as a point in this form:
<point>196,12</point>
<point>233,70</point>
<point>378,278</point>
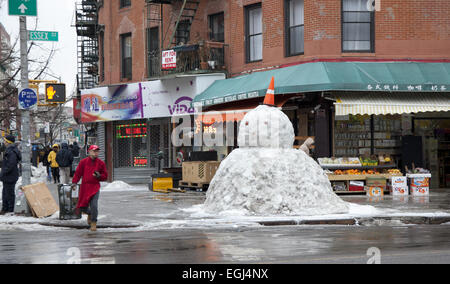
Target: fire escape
<point>192,57</point>
<point>87,42</point>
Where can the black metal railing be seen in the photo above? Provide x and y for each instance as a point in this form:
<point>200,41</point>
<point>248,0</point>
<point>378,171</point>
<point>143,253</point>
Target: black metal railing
<point>206,57</point>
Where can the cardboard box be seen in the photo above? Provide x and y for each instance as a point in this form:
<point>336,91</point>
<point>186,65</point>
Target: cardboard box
<point>376,181</point>
<point>399,181</point>
<point>356,186</point>
<point>40,200</point>
<point>420,182</point>
<point>420,191</point>
<point>375,191</point>
<point>199,172</point>
<point>399,190</point>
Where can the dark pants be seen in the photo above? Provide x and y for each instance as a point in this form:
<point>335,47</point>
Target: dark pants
<point>8,197</point>
<point>55,174</point>
<point>93,207</point>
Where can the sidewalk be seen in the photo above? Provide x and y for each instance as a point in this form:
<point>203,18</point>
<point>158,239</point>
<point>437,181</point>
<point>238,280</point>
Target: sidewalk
<point>141,209</point>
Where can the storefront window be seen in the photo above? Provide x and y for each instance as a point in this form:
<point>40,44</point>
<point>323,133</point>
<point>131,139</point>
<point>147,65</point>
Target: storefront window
<point>131,147</point>
<point>355,136</point>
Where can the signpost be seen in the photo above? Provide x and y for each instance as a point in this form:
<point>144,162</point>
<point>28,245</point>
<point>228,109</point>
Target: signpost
<point>22,7</point>
<point>42,36</point>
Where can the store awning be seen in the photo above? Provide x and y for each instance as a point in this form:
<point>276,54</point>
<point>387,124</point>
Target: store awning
<point>391,103</point>
<point>408,77</point>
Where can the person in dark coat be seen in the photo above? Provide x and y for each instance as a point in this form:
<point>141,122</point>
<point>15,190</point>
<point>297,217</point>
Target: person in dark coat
<point>9,174</point>
<point>64,158</point>
<point>46,163</point>
<point>75,149</point>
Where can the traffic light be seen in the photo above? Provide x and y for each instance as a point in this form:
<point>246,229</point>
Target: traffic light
<point>55,93</point>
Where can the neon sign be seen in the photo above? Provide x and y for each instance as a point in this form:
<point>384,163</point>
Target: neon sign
<point>140,161</point>
<point>131,131</point>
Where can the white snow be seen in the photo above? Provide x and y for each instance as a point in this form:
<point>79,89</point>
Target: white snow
<point>118,186</point>
<point>266,176</point>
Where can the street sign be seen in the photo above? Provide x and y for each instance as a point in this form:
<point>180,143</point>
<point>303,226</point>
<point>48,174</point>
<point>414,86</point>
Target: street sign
<point>42,36</point>
<point>55,93</point>
<point>27,98</point>
<point>22,7</point>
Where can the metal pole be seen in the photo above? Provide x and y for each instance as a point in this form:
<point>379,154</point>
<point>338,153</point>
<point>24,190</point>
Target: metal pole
<point>21,204</point>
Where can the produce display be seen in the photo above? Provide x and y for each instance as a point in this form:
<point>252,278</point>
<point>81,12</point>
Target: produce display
<point>339,161</point>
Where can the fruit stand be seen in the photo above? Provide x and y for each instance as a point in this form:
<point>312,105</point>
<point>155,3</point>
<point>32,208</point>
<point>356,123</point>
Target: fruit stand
<point>349,175</point>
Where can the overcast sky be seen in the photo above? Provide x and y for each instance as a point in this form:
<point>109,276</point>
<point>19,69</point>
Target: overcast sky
<point>53,15</point>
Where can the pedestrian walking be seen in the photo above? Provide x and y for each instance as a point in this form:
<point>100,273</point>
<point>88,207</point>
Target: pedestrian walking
<point>64,158</point>
<point>9,174</point>
<point>75,149</point>
<point>53,164</point>
<point>307,145</point>
<point>92,171</point>
<point>46,163</point>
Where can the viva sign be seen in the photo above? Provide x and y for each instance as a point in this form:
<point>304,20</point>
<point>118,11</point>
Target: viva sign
<point>182,106</point>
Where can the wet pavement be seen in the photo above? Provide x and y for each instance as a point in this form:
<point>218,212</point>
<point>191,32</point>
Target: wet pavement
<point>166,234</point>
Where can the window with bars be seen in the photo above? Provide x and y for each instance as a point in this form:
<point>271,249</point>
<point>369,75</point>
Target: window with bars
<point>294,27</point>
<point>126,55</point>
<point>253,34</point>
<point>358,27</point>
<point>216,27</point>
<point>125,3</point>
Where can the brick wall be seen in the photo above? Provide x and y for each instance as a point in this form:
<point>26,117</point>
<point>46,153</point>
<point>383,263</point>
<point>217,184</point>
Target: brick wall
<point>416,29</point>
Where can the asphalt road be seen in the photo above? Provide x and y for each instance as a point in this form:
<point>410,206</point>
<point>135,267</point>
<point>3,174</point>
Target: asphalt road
<point>283,244</point>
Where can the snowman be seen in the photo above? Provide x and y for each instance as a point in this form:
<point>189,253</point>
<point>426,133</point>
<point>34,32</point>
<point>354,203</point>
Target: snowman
<point>266,175</point>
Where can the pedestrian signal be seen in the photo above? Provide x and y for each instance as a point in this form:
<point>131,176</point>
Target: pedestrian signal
<point>55,93</point>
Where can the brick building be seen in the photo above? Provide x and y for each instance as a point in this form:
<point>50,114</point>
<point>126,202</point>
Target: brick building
<point>325,55</point>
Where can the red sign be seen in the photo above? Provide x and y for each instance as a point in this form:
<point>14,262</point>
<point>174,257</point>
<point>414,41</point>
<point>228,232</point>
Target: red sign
<point>140,161</point>
<point>169,60</point>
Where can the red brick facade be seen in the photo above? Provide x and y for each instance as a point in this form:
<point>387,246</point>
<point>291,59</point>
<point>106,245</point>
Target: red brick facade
<point>404,29</point>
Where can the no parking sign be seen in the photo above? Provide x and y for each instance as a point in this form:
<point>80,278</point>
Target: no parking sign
<point>27,99</point>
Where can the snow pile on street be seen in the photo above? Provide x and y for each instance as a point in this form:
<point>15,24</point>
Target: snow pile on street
<point>266,176</point>
<point>39,175</point>
<point>119,185</point>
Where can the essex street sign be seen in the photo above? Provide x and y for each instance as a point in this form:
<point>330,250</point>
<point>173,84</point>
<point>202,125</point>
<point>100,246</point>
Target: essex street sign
<point>42,36</point>
<point>27,99</point>
<point>22,7</point>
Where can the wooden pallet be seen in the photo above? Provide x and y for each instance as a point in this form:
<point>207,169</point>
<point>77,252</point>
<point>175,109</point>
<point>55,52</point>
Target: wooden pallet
<point>196,185</point>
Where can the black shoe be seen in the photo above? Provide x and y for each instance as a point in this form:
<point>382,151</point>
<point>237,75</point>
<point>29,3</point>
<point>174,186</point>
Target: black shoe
<point>3,213</point>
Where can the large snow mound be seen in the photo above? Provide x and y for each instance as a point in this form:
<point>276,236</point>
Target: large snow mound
<point>272,181</point>
<point>266,176</point>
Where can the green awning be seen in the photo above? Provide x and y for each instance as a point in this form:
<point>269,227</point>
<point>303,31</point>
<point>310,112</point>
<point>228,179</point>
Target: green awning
<point>332,76</point>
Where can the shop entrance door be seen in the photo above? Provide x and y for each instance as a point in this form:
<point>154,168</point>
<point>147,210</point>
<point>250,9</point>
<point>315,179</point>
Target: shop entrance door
<point>136,145</point>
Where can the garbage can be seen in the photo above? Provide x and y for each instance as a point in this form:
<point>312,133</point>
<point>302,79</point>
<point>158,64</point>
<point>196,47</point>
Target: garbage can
<point>68,200</point>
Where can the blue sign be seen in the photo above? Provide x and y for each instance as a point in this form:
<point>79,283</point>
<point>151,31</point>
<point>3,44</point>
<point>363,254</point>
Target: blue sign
<point>27,98</point>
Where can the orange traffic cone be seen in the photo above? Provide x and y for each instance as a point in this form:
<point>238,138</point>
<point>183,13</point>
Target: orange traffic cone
<point>270,95</point>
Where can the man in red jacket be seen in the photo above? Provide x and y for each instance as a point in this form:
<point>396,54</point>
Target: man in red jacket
<point>92,171</point>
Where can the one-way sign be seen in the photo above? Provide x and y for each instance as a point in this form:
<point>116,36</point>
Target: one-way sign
<point>22,7</point>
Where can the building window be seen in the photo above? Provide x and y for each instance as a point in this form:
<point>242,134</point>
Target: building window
<point>294,27</point>
<point>183,32</point>
<point>253,34</point>
<point>102,56</point>
<point>358,27</point>
<point>216,27</point>
<point>125,3</point>
<point>126,54</point>
<point>153,54</point>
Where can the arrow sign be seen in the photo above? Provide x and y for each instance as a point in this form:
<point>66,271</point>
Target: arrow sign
<point>22,7</point>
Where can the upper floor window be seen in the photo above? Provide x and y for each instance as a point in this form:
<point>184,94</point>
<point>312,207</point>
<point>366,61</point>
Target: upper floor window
<point>216,27</point>
<point>358,27</point>
<point>254,32</point>
<point>125,3</point>
<point>294,27</point>
<point>126,55</point>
